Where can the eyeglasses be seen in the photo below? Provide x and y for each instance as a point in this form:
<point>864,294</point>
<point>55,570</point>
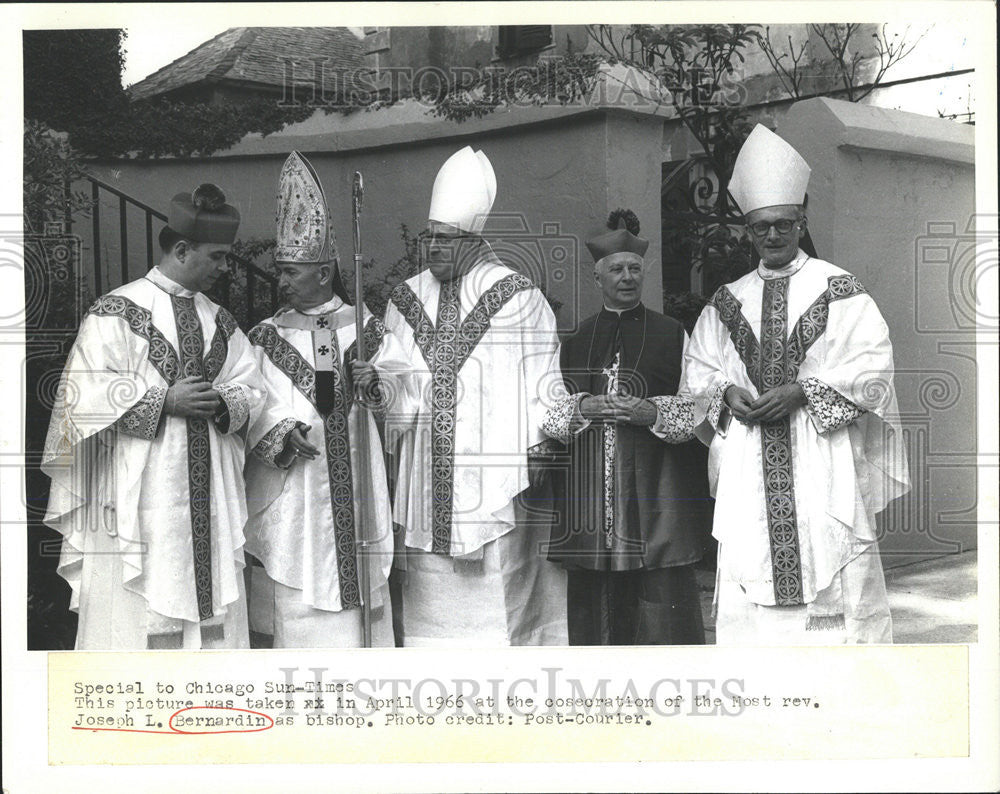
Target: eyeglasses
<point>428,236</point>
<point>763,228</point>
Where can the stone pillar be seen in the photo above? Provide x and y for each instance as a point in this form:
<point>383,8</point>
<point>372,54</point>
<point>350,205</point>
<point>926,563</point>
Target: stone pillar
<point>632,161</point>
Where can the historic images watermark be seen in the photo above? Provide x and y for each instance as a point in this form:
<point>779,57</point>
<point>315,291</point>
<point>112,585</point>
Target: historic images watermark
<point>549,82</point>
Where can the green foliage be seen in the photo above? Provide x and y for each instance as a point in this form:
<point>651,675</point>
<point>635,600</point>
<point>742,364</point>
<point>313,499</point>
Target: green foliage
<point>159,127</point>
<point>690,68</point>
<point>692,60</point>
<point>55,287</point>
<point>253,248</point>
<point>685,307</point>
<point>724,251</point>
<point>552,81</point>
<point>695,67</point>
<point>72,78</point>
<point>73,84</point>
<point>50,167</point>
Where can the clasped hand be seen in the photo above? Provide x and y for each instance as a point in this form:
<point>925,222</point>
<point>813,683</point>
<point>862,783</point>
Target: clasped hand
<point>192,397</point>
<point>772,405</point>
<point>618,408</point>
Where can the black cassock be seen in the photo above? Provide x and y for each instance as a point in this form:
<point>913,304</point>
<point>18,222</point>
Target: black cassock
<point>635,584</point>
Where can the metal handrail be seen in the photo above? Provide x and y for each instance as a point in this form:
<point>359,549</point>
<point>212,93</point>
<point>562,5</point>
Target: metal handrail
<point>251,270</point>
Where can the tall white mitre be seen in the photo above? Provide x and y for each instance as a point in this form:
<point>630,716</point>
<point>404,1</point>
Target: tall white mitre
<point>768,172</point>
<point>464,190</point>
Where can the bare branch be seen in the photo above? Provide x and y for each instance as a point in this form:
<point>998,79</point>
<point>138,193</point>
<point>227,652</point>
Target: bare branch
<point>889,54</point>
<point>836,38</point>
<point>790,78</point>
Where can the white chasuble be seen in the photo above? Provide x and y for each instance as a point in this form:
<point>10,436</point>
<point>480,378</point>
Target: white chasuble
<point>305,518</point>
<point>483,358</point>
<point>151,507</point>
<point>796,498</point>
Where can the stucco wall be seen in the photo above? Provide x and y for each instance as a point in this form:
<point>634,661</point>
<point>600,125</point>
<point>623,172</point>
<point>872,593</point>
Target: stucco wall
<point>557,181</point>
<point>891,197</point>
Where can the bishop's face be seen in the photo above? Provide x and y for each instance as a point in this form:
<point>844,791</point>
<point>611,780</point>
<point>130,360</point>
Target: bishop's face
<point>304,286</point>
<point>447,250</point>
<point>776,232</point>
<point>620,280</point>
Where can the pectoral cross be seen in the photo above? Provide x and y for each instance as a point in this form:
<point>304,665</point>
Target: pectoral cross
<point>611,373</point>
<point>610,439</point>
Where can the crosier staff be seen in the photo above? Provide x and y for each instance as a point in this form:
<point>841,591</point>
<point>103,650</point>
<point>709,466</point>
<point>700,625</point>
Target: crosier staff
<point>362,540</point>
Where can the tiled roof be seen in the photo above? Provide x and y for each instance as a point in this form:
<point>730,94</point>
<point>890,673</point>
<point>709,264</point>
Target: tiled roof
<point>255,56</point>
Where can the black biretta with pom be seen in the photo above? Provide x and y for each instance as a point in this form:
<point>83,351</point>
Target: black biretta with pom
<point>204,216</point>
<point>622,239</point>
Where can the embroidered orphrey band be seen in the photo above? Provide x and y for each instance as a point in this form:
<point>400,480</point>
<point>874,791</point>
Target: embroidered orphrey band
<point>776,362</point>
<point>809,327</point>
<point>740,332</point>
<point>164,358</point>
<point>338,466</point>
<point>776,451</point>
<point>161,353</point>
<point>140,322</point>
<point>288,360</point>
<point>374,331</point>
<point>445,347</point>
<point>191,345</point>
<point>225,325</point>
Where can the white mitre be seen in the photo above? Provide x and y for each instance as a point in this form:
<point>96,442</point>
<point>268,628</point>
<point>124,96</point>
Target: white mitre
<point>464,190</point>
<point>768,172</point>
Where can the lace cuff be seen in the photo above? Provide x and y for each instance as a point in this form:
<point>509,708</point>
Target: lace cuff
<point>235,408</point>
<point>142,420</point>
<point>563,420</point>
<point>718,405</point>
<point>270,447</point>
<point>674,419</point>
<point>828,409</point>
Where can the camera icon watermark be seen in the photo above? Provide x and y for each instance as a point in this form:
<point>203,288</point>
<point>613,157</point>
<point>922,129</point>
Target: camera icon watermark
<point>48,268</point>
<point>955,268</point>
<point>548,256</point>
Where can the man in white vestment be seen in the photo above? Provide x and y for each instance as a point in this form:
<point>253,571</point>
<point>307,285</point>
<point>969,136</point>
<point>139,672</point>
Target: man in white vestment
<point>482,348</point>
<point>146,447</point>
<point>792,365</point>
<point>309,484</point>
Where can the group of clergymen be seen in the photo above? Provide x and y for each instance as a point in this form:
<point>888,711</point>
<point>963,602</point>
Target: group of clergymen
<point>544,493</point>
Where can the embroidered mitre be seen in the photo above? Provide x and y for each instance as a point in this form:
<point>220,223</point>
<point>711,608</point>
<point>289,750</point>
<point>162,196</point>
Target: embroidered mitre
<point>304,227</point>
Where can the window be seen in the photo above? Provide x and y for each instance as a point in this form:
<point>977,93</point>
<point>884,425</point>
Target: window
<point>521,39</point>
